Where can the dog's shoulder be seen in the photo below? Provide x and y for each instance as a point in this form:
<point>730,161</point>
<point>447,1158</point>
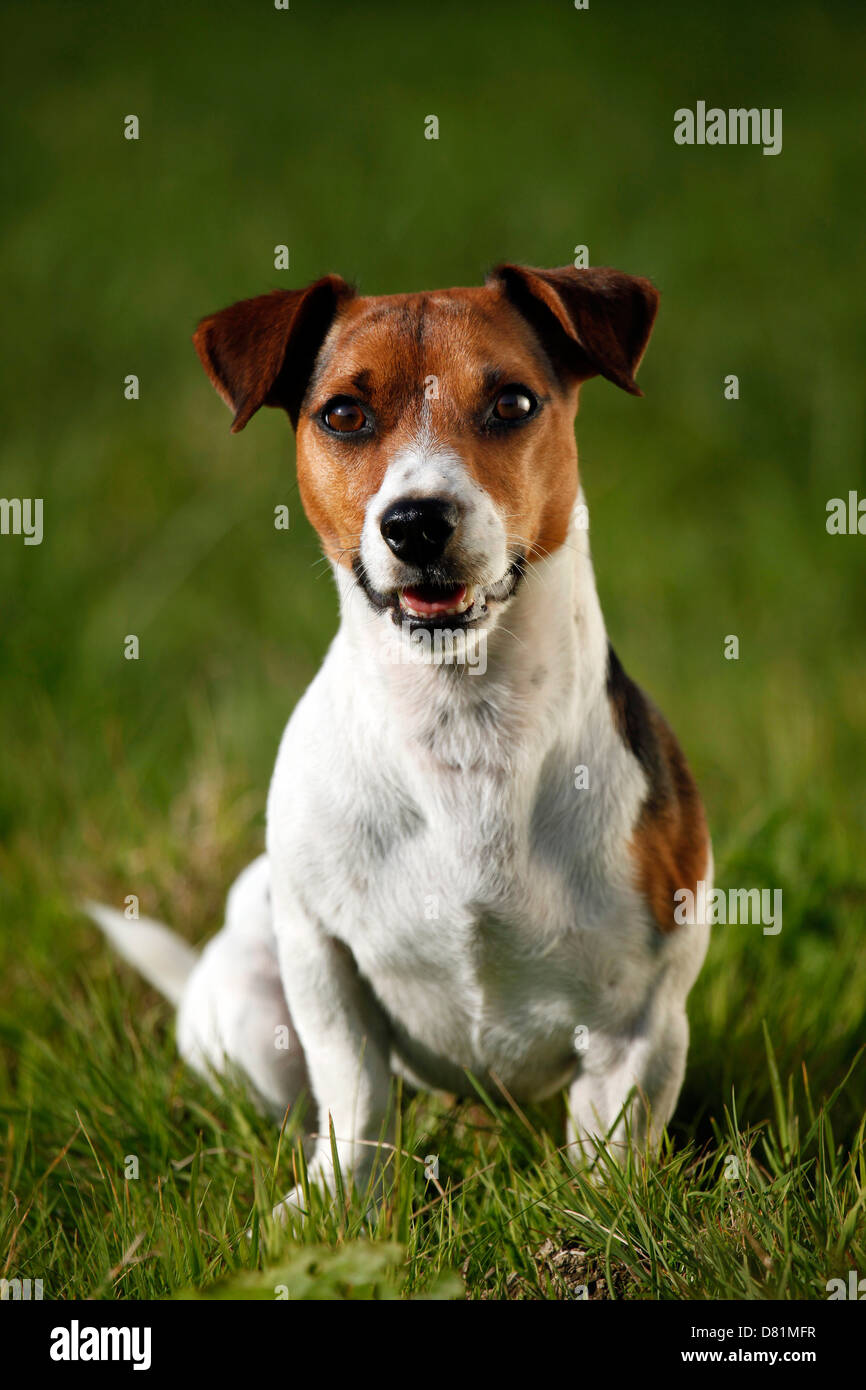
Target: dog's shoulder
<point>670,842</point>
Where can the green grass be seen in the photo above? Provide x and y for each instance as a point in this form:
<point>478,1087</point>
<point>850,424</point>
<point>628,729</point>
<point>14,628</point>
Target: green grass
<point>763,1209</point>
<point>150,777</point>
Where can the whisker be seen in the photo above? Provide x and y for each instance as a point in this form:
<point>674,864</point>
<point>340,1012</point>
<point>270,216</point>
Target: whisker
<point>509,632</point>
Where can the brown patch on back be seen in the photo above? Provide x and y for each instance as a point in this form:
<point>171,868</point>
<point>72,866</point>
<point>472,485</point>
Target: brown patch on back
<point>670,843</point>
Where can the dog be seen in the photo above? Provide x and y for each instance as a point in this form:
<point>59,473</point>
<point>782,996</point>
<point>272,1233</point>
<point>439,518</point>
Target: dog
<point>473,844</point>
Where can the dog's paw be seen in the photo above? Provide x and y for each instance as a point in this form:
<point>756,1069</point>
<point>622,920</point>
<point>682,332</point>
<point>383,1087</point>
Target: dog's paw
<point>320,1174</point>
<point>292,1207</point>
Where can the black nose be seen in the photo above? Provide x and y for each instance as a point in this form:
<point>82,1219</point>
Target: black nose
<point>417,529</point>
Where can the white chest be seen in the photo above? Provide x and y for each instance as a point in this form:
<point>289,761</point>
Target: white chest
<point>477,906</point>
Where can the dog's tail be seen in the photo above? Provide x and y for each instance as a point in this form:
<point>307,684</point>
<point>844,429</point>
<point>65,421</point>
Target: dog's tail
<point>161,956</point>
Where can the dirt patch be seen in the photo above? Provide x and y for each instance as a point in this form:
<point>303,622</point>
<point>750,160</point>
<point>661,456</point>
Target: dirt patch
<point>562,1272</point>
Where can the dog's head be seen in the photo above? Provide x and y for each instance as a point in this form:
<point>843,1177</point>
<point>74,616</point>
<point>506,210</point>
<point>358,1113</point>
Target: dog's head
<point>435,437</point>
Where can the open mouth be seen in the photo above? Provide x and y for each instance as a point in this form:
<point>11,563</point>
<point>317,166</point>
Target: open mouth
<point>441,601</point>
<point>436,601</point>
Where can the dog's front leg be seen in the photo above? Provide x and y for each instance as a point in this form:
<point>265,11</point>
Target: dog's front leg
<point>344,1035</point>
<point>628,1087</point>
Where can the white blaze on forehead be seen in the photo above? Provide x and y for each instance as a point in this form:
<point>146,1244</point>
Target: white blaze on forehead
<point>419,471</point>
<point>425,469</point>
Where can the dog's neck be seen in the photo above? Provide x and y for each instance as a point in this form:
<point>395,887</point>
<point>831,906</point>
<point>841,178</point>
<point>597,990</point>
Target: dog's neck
<point>539,672</point>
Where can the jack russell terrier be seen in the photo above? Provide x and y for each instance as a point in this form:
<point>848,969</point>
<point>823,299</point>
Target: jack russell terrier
<point>473,844</point>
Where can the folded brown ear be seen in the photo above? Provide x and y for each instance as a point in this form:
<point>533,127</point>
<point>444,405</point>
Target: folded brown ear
<point>592,321</point>
<point>262,351</point>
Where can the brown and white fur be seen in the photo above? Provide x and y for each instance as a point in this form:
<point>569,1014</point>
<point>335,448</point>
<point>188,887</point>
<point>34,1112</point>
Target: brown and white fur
<point>438,896</point>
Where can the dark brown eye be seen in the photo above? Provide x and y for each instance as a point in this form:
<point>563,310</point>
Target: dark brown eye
<point>346,417</point>
<point>514,403</point>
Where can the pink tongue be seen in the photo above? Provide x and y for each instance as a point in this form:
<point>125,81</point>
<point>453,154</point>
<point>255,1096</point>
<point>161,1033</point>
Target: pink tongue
<point>422,600</point>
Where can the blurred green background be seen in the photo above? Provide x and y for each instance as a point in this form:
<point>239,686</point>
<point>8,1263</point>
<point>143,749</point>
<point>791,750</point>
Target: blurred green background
<point>306,127</point>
